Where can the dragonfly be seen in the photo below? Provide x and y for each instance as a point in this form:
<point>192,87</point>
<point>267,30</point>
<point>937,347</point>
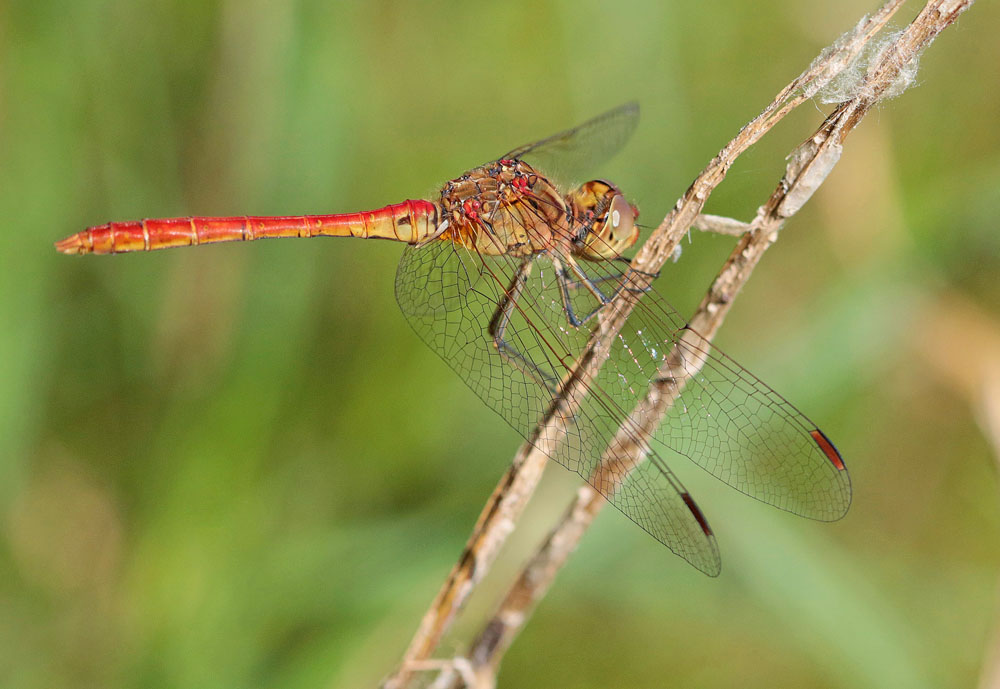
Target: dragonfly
<point>506,274</point>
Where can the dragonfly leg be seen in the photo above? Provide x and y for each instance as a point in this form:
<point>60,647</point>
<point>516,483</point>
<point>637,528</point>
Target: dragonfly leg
<point>622,281</point>
<point>577,284</point>
<point>498,328</point>
<point>643,273</point>
<point>566,284</point>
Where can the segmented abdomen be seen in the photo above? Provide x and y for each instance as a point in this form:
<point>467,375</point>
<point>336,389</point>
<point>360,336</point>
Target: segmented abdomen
<point>410,221</point>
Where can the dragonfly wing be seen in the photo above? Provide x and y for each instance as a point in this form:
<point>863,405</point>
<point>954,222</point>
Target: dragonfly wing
<point>450,296</point>
<point>726,420</point>
<point>566,155</point>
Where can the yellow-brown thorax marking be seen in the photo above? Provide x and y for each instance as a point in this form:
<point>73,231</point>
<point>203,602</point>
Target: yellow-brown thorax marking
<point>505,208</point>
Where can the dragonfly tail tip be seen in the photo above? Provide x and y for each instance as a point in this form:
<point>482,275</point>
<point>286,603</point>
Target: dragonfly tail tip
<point>70,245</point>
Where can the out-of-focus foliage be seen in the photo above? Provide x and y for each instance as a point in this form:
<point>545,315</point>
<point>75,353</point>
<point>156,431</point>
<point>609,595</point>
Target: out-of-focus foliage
<point>236,467</point>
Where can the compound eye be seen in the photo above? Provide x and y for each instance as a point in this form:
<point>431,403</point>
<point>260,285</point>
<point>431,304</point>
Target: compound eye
<point>614,232</point>
<point>619,229</point>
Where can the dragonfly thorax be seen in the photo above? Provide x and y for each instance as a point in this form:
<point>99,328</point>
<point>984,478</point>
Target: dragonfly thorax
<point>505,208</point>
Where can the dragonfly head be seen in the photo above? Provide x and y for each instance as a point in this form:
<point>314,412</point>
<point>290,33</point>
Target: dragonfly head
<point>608,218</point>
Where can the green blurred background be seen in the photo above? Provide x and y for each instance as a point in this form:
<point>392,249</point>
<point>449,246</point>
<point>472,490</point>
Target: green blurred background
<point>238,467</point>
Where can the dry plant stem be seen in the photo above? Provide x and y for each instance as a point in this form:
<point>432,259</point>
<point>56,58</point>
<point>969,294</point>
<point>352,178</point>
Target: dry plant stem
<point>718,224</point>
<point>808,167</point>
<point>508,499</point>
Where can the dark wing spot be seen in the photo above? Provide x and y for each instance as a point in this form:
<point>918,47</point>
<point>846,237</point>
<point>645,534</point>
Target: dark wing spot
<point>828,449</point>
<point>696,511</point>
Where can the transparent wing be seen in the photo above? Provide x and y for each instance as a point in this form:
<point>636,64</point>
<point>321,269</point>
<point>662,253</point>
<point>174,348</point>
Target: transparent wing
<point>725,420</point>
<point>451,297</point>
<point>567,155</point>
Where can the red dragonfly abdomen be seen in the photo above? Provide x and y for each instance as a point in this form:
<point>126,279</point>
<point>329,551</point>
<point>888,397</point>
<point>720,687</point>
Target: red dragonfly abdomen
<point>410,222</point>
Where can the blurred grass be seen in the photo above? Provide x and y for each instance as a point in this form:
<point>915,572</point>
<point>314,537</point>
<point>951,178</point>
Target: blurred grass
<point>238,467</point>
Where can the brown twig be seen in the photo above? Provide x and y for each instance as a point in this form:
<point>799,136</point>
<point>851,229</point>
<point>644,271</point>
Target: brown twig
<point>806,171</point>
<point>720,225</point>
